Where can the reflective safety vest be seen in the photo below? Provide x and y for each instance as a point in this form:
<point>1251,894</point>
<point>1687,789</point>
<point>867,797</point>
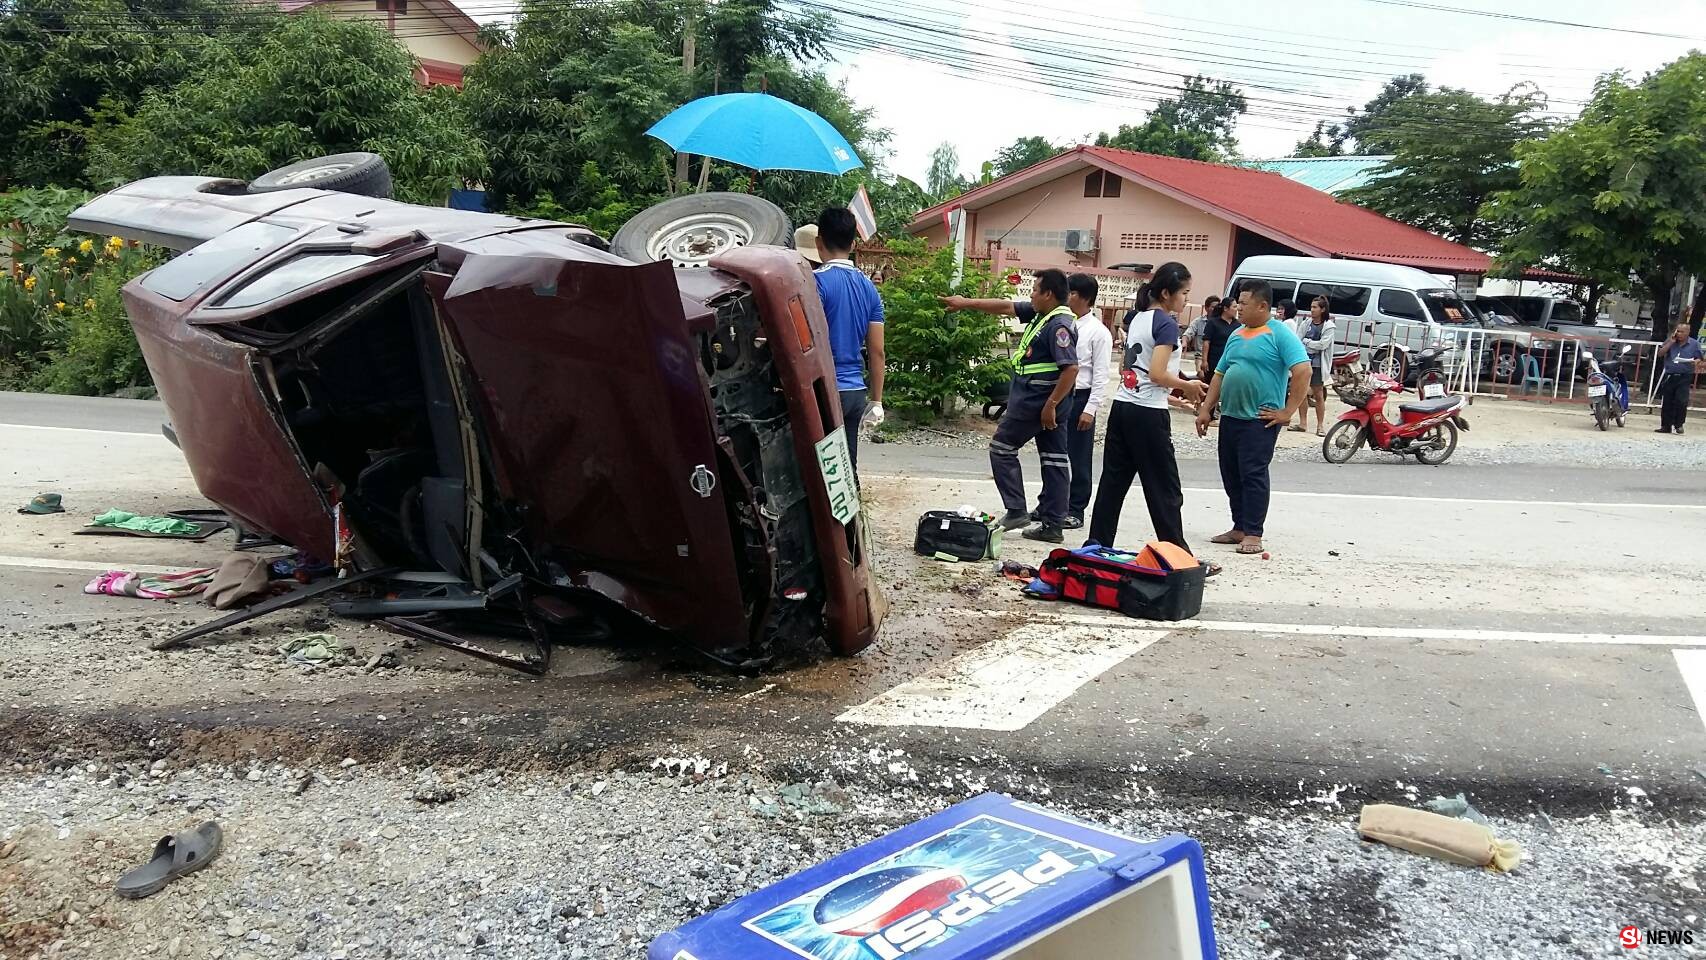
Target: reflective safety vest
<point>1020,367</point>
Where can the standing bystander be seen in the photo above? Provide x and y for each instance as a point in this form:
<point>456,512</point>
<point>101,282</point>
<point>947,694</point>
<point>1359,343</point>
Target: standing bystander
<point>1095,351</point>
<point>1682,356</point>
<point>1260,382</point>
<point>854,312</point>
<point>1316,331</point>
<point>1045,371</point>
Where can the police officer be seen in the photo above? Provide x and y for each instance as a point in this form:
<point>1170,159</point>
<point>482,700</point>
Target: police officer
<point>1045,370</point>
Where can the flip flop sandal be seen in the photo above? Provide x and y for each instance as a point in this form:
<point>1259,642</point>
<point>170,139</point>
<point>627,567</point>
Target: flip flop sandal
<point>174,856</point>
<point>1212,569</point>
<point>1250,549</point>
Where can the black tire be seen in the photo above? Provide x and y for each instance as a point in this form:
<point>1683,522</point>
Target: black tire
<point>363,174</point>
<point>1602,415</point>
<point>691,229</point>
<point>1392,362</point>
<point>1336,447</point>
<point>1429,455</point>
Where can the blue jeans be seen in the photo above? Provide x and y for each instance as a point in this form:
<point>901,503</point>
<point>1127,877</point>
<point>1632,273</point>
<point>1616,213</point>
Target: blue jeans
<point>1246,450</point>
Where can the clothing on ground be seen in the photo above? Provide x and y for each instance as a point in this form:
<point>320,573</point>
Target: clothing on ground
<point>1140,446</point>
<point>1246,451</point>
<point>1144,332</point>
<point>1095,352</point>
<point>852,414</point>
<point>850,305</point>
<point>125,520</point>
<point>164,586</point>
<point>1080,446</point>
<point>1256,369</point>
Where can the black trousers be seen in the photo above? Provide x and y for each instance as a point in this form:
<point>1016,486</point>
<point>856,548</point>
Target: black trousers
<point>1674,393</point>
<point>852,415</point>
<point>1080,444</point>
<point>1246,450</point>
<point>1139,445</point>
<point>1021,424</point>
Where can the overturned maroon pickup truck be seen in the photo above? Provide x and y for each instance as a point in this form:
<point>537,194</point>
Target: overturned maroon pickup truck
<point>505,420</point>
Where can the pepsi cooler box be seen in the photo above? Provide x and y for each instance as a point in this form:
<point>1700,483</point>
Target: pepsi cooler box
<point>992,877</point>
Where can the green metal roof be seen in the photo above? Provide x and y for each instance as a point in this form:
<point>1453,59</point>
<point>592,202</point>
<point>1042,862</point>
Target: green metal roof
<point>1327,174</point>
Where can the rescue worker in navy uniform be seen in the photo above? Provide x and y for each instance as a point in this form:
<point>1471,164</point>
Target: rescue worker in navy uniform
<point>1045,370</point>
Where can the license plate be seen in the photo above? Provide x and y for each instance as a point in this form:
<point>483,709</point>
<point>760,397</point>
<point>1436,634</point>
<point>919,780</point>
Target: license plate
<point>836,466</point>
<point>1431,391</point>
<point>1596,390</point>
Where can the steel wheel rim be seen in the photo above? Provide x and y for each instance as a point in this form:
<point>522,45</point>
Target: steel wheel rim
<point>693,241</point>
<point>312,174</point>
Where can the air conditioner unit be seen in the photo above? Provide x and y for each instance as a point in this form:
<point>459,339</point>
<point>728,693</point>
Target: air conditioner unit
<point>1081,241</point>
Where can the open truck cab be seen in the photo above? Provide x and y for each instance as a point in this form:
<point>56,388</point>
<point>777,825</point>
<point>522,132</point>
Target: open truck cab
<point>514,419</point>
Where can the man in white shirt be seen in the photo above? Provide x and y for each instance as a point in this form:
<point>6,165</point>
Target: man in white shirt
<point>1095,352</point>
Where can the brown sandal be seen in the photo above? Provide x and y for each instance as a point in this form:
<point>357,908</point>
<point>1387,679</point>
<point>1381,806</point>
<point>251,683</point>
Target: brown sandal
<point>1250,545</point>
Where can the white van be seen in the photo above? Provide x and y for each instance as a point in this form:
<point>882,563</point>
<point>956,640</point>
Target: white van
<point>1386,310</point>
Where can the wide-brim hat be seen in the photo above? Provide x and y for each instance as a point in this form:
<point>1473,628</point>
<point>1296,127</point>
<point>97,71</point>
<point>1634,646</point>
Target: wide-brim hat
<point>805,241</point>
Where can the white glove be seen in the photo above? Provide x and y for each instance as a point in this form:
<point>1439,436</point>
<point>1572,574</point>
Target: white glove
<point>873,416</point>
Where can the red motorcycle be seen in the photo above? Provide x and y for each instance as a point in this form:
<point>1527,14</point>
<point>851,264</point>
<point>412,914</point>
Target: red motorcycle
<point>1426,429</point>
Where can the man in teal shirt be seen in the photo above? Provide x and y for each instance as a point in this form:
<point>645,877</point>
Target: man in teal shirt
<point>1261,380</point>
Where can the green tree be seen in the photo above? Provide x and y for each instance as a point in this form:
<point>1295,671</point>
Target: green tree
<point>61,60</point>
<point>1369,130</point>
<point>944,182</point>
<point>934,358</point>
<point>1021,153</point>
<point>1451,152</point>
<point>1621,193</point>
<point>307,86</point>
<point>1198,124</point>
<point>1320,143</point>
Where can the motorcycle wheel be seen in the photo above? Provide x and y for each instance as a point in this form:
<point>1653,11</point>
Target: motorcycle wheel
<point>1429,377</point>
<point>1438,445</point>
<point>1343,441</point>
<point>1622,418</point>
<point>1602,416</point>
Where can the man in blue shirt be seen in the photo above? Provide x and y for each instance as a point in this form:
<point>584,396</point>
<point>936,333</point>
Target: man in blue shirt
<point>855,315</point>
<point>1682,359</point>
<point>1260,382</point>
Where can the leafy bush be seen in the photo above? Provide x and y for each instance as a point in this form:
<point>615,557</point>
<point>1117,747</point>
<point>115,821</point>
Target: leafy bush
<point>936,358</point>
<point>62,323</point>
<point>605,208</point>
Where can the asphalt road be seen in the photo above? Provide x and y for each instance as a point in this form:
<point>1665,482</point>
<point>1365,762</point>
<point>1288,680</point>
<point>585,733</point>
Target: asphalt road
<point>1527,634</point>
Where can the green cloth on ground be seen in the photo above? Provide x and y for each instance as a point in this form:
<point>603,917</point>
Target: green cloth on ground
<point>125,520</point>
<point>312,648</point>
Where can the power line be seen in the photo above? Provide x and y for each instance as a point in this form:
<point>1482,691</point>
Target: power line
<point>1468,11</point>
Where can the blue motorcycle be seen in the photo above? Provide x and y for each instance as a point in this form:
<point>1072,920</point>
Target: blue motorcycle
<point>1608,389</point>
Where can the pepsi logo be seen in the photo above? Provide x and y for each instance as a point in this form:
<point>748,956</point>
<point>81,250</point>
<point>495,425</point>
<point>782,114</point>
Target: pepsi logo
<point>872,901</point>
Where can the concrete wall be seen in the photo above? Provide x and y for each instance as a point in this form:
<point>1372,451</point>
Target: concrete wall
<point>1140,226</point>
<point>442,45</point>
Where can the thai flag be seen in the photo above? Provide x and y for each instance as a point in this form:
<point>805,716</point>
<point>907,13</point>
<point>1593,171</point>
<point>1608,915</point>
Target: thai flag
<point>864,215</point>
<point>870,902</point>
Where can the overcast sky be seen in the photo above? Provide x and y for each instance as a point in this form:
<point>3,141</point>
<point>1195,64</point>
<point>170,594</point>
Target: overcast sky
<point>1297,60</point>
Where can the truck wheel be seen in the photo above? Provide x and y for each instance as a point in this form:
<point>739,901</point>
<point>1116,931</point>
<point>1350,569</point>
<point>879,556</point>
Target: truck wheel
<point>363,174</point>
<point>1392,362</point>
<point>690,230</point>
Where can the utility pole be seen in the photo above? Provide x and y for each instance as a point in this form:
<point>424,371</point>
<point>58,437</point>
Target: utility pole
<point>689,39</point>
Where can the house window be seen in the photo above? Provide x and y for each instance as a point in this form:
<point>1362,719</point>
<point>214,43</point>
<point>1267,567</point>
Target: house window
<point>1110,186</point>
<point>1093,184</point>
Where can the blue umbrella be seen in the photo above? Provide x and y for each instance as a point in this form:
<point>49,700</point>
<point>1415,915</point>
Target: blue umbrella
<point>759,131</point>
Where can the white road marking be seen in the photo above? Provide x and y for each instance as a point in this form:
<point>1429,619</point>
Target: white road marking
<point>1007,683</point>
<point>1112,621</point>
<point>155,435</point>
<point>1692,664</point>
<point>59,563</point>
<point>1469,501</point>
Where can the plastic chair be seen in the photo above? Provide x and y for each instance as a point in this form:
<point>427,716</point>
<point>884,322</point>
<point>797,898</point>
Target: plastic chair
<point>1531,374</point>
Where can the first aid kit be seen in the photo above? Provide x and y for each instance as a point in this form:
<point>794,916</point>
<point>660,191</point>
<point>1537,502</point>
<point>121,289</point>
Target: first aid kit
<point>1163,581</point>
<point>959,534</point>
<point>992,878</point>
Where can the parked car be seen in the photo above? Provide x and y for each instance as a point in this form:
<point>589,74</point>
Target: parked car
<point>1544,312</point>
<point>1508,339</point>
<point>1386,311</point>
<point>542,426</point>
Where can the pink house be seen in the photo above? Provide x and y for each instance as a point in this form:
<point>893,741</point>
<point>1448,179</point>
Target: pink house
<point>1099,208</point>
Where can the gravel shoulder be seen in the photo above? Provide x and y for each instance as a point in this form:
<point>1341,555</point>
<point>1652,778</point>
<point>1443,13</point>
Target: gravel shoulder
<point>349,860</point>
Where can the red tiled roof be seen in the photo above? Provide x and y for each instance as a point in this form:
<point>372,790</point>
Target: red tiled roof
<point>1265,203</point>
<point>438,73</point>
